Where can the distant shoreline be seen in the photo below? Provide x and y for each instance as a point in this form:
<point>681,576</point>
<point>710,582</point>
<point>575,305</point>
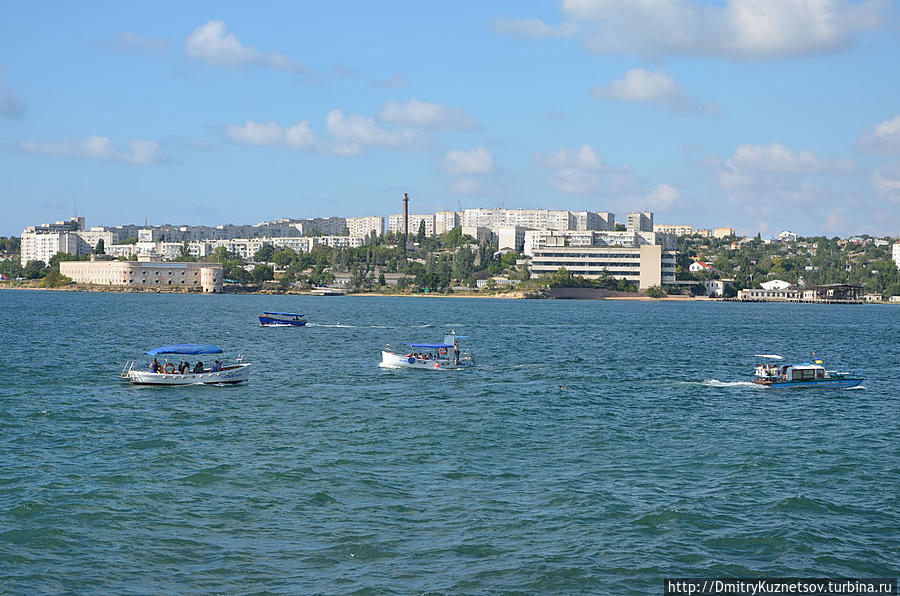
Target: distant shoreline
<point>514,295</point>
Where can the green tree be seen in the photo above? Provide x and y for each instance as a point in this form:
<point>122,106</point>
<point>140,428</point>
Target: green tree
<point>264,254</point>
<point>284,257</point>
<point>262,273</point>
<point>34,269</point>
<point>656,292</point>
<point>420,236</point>
<point>100,249</point>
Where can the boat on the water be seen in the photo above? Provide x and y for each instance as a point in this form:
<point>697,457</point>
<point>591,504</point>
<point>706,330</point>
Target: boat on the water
<point>169,373</point>
<point>804,375</point>
<point>282,319</point>
<point>444,355</point>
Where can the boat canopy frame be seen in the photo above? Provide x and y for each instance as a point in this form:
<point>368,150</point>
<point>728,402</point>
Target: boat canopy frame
<point>186,349</point>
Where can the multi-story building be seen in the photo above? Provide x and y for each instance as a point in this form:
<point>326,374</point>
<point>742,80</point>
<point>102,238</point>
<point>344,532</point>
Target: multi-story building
<point>895,254</point>
<point>640,221</point>
<point>395,224</point>
<point>675,230</point>
<point>646,265</point>
<point>511,238</point>
<point>538,239</point>
<point>591,220</point>
<point>43,242</point>
<point>364,226</point>
<point>722,232</point>
<point>203,277</point>
<point>444,221</point>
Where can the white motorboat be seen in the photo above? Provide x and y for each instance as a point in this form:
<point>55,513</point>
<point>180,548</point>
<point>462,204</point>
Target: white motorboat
<point>445,355</point>
<point>168,373</point>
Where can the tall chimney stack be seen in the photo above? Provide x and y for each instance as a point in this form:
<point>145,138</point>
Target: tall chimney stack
<point>405,218</point>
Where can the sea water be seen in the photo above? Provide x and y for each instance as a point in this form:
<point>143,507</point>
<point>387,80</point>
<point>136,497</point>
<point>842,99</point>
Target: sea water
<point>597,447</point>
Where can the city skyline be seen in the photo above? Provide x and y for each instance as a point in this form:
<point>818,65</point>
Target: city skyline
<point>209,115</point>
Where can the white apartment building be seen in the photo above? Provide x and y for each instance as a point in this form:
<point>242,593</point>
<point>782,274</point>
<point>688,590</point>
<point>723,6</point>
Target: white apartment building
<point>675,230</point>
<point>42,243</point>
<point>895,254</point>
<point>594,220</point>
<point>646,265</point>
<point>364,226</point>
<point>535,240</point>
<point>444,221</point>
<point>640,221</point>
<point>511,238</point>
<point>395,224</point>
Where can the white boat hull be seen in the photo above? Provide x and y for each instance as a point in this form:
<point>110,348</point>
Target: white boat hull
<point>393,360</point>
<point>230,374</point>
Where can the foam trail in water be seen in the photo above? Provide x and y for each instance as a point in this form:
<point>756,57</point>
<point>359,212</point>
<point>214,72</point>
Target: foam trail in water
<point>718,383</point>
<point>770,356</point>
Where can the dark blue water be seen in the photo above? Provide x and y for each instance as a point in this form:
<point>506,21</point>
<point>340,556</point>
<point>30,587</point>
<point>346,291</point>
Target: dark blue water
<point>597,448</point>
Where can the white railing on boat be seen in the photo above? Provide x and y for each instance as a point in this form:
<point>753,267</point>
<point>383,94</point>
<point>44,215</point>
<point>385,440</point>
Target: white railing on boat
<point>129,366</point>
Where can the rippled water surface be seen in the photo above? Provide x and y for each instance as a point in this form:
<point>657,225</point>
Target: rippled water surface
<point>597,448</point>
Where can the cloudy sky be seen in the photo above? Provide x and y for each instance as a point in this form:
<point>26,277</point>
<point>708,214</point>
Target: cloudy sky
<point>762,115</point>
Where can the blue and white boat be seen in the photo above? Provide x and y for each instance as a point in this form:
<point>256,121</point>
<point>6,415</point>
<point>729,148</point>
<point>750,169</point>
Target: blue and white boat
<point>804,375</point>
<point>167,372</point>
<point>446,355</point>
<point>282,319</point>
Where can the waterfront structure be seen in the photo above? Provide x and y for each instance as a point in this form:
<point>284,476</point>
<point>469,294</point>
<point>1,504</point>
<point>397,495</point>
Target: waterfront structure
<point>365,226</point>
<point>395,224</point>
<point>201,277</point>
<point>775,284</point>
<point>774,295</point>
<point>646,265</point>
<point>640,221</point>
<point>675,230</point>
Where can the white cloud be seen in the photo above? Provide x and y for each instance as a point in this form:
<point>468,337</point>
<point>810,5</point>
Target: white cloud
<point>641,85</point>
<point>534,28</point>
<point>738,29</point>
<point>139,152</point>
<point>581,171</point>
<point>659,87</point>
<point>128,41</point>
<point>467,186</point>
<point>583,158</point>
<point>396,81</point>
<point>210,43</point>
<point>351,134</point>
<point>10,104</point>
<point>271,133</point>
<point>887,182</point>
<point>885,137</point>
<point>423,114</point>
<point>476,161</point>
<point>662,197</point>
<point>775,158</point>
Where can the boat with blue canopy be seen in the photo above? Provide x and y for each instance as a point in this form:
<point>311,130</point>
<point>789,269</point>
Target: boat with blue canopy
<point>282,319</point>
<point>446,355</point>
<point>163,371</point>
<point>804,375</point>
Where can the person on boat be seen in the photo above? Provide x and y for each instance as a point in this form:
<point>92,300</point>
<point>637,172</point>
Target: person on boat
<point>154,366</point>
<point>455,352</point>
<point>183,366</point>
<point>217,366</point>
<point>198,368</point>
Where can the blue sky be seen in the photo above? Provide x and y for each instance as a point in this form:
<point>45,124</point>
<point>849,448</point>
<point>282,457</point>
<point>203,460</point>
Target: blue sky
<point>761,115</point>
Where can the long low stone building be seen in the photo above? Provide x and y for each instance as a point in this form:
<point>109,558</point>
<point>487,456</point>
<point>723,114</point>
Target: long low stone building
<point>200,277</point>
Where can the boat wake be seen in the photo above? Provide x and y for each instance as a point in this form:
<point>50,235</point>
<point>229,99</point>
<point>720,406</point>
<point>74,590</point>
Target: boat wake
<point>718,383</point>
<point>770,356</point>
<point>342,326</point>
<point>857,387</point>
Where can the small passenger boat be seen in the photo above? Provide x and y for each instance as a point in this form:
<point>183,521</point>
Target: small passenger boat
<point>804,375</point>
<point>436,356</point>
<point>282,319</point>
<point>167,373</point>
